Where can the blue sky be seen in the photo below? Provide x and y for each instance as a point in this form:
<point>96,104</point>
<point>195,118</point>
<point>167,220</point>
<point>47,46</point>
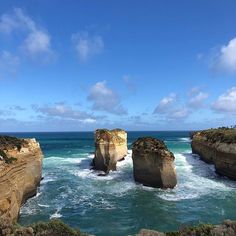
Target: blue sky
<point>138,65</point>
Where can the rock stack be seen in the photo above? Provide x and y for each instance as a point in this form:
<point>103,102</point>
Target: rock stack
<point>153,163</point>
<point>110,147</point>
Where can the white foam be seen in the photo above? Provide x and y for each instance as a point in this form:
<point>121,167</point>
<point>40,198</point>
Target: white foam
<point>185,139</point>
<point>42,205</point>
<point>56,215</point>
<point>195,179</point>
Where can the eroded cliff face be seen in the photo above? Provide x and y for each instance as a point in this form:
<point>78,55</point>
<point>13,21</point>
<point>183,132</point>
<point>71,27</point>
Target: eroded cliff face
<point>217,146</point>
<point>20,173</point>
<point>110,147</point>
<point>153,163</point>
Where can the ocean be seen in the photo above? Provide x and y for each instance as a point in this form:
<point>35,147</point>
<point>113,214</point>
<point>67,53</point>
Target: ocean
<point>115,204</point>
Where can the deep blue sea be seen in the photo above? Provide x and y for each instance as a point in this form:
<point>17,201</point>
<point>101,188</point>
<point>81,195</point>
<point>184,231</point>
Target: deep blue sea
<point>115,204</point>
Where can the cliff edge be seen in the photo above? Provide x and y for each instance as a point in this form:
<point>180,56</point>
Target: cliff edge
<point>217,146</point>
<point>20,173</point>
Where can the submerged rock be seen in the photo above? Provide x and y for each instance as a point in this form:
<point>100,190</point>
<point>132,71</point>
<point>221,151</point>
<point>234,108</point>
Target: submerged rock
<point>20,173</point>
<point>110,147</point>
<point>218,147</point>
<point>153,163</point>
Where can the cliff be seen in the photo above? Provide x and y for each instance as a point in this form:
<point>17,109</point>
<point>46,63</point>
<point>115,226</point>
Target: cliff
<point>20,173</point>
<point>153,163</point>
<point>218,147</point>
<point>110,147</point>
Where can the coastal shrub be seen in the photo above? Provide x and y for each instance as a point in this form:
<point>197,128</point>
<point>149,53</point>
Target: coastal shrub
<point>7,142</point>
<point>54,228</point>
<point>51,228</point>
<point>10,160</point>
<point>199,230</point>
<point>222,134</point>
<point>7,159</point>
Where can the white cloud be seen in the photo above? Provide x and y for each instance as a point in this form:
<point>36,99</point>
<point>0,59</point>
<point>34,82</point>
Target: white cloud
<point>8,64</point>
<point>105,99</point>
<point>165,103</point>
<point>170,110</point>
<point>87,46</point>
<point>61,110</point>
<point>197,100</point>
<point>226,60</point>
<point>179,113</point>
<point>226,102</point>
<point>37,42</point>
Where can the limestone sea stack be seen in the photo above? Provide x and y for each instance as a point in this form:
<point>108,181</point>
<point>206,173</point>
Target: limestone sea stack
<point>153,163</point>
<point>110,147</point>
<point>20,173</point>
<point>218,147</point>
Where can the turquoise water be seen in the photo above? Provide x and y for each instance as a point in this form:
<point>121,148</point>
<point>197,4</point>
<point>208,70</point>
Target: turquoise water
<point>115,204</point>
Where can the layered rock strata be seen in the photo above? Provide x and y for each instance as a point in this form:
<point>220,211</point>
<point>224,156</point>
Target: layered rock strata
<point>20,173</point>
<point>153,163</point>
<point>218,147</point>
<point>110,147</point>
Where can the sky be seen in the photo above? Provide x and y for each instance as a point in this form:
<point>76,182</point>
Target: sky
<point>79,65</point>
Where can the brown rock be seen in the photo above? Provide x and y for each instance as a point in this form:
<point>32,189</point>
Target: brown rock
<point>217,146</point>
<point>153,163</point>
<point>110,147</point>
<point>19,177</point>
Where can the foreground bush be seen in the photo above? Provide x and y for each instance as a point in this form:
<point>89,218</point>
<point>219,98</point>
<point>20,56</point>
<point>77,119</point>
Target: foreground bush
<point>51,228</point>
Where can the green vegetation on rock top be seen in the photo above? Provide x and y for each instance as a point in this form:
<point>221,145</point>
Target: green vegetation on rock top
<point>7,142</point>
<point>108,135</point>
<point>149,143</point>
<point>223,134</point>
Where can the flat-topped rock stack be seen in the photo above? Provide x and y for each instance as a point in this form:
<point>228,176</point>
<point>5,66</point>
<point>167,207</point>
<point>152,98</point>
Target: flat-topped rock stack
<point>218,147</point>
<point>110,147</point>
<point>20,173</point>
<point>153,163</point>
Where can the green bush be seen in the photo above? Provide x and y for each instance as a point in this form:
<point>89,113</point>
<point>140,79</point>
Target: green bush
<point>200,230</point>
<point>7,142</point>
<point>222,134</point>
<point>54,228</point>
<point>8,160</point>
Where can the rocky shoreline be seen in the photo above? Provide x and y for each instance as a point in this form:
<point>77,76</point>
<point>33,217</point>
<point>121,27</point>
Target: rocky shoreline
<point>217,147</point>
<point>153,163</point>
